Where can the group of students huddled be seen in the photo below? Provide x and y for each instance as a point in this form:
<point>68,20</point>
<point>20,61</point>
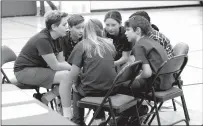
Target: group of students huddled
<point>85,57</point>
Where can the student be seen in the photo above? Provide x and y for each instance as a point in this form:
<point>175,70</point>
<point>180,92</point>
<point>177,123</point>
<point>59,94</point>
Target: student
<point>115,31</point>
<point>150,52</point>
<point>95,55</point>
<point>41,60</point>
<point>156,35</point>
<point>73,35</point>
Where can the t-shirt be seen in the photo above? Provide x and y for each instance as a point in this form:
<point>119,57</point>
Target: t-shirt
<point>164,41</point>
<point>120,42</point>
<point>31,54</point>
<point>97,74</point>
<point>68,44</point>
<point>151,52</point>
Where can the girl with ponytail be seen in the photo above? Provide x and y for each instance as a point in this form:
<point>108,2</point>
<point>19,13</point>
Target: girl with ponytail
<point>95,55</point>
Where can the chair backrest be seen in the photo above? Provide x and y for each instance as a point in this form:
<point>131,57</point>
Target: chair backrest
<point>128,73</point>
<point>180,49</point>
<point>167,70</point>
<point>7,55</point>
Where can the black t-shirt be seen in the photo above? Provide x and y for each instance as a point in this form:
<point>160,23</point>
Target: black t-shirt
<point>151,52</point>
<point>68,44</point>
<point>38,45</point>
<point>97,74</point>
<point>120,42</point>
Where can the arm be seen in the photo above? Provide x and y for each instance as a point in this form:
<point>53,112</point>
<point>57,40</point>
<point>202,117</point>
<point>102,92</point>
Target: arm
<point>54,63</point>
<point>146,72</point>
<point>60,57</point>
<point>123,59</point>
<point>73,75</point>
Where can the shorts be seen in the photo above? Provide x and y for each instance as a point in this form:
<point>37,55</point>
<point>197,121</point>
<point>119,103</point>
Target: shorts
<point>37,76</point>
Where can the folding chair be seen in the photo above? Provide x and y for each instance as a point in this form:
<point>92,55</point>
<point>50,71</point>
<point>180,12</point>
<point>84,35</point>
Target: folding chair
<point>180,49</point>
<point>9,56</point>
<point>53,97</point>
<point>118,103</point>
<point>174,65</point>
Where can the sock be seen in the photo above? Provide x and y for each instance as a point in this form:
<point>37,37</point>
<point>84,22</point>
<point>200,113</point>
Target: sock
<point>67,112</point>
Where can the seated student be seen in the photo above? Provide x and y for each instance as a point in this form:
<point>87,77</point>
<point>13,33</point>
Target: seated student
<point>73,35</point>
<point>115,31</point>
<point>150,52</point>
<point>41,60</point>
<point>156,35</point>
<point>95,55</point>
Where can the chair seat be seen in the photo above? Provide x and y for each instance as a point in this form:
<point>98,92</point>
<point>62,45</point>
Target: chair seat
<point>162,96</point>
<point>25,86</point>
<point>120,102</point>
<point>22,86</point>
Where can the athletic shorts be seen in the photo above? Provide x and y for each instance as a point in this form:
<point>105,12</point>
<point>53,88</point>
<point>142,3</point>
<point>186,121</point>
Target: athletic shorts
<point>42,77</point>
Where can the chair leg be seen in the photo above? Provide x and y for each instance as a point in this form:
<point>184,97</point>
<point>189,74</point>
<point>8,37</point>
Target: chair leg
<point>137,114</point>
<point>85,117</point>
<point>52,104</point>
<point>185,108</point>
<point>94,115</point>
<point>112,113</point>
<point>106,122</point>
<point>145,121</point>
<point>155,114</point>
<point>174,105</point>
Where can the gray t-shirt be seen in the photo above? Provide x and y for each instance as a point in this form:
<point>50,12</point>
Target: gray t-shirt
<point>97,74</point>
<point>38,45</point>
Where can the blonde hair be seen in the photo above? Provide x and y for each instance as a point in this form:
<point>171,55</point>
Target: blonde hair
<point>96,44</point>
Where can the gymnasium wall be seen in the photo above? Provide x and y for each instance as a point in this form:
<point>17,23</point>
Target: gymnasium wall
<point>18,8</point>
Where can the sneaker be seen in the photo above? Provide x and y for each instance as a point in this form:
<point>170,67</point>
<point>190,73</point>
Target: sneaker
<point>143,110</point>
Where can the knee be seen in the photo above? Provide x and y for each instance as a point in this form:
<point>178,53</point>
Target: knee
<point>61,76</point>
<point>64,75</point>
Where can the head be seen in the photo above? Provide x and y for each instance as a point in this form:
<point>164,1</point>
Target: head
<point>141,13</point>
<point>76,25</point>
<point>136,28</point>
<point>113,22</point>
<point>56,22</point>
<point>145,15</point>
<point>93,28</point>
<point>93,32</point>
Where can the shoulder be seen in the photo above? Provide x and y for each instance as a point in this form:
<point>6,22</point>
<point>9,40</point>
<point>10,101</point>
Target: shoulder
<point>80,45</point>
<point>159,35</point>
<point>38,39</point>
<point>44,34</point>
<point>108,40</point>
<point>146,43</point>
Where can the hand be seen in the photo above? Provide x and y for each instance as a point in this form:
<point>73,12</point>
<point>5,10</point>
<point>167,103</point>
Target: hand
<point>74,88</point>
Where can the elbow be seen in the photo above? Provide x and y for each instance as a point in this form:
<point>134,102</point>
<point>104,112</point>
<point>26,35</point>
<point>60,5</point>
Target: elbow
<point>147,74</point>
<point>54,67</point>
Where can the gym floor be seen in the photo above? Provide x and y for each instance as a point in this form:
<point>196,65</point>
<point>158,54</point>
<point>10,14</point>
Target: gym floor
<point>178,24</point>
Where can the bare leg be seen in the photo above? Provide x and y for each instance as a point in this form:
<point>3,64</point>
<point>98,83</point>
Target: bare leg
<point>61,77</point>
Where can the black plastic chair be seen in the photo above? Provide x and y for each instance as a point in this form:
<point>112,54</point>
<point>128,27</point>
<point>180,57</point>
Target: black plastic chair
<point>118,103</point>
<point>9,56</point>
<point>175,66</point>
